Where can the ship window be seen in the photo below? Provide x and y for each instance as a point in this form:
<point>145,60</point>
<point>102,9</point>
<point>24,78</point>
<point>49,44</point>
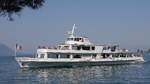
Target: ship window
<point>77,56</point>
<point>104,48</point>
<point>74,47</point>
<point>122,55</point>
<point>42,55</point>
<point>86,47</point>
<point>93,48</point>
<point>93,55</point>
<point>113,48</point>
<point>76,39</point>
<point>51,55</point>
<point>64,56</point>
<point>82,40</point>
<point>86,55</point>
<point>79,48</point>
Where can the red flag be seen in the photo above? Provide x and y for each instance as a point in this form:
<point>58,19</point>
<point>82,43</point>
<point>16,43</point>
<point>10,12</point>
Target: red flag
<point>18,47</point>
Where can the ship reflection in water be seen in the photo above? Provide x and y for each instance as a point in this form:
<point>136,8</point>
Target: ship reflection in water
<point>82,75</point>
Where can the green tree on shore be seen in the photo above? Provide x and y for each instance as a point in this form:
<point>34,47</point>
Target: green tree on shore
<point>10,7</point>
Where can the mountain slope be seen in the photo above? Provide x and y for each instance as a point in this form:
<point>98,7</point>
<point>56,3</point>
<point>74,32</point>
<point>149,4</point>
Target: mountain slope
<point>5,50</point>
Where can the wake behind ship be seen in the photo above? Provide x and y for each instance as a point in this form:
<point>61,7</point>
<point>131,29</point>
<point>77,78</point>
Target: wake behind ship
<point>79,51</point>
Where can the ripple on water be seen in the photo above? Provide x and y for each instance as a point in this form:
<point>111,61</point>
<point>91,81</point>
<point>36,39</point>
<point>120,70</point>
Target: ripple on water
<point>118,74</point>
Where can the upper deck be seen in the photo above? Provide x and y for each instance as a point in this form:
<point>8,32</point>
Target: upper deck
<point>76,40</point>
<point>80,45</point>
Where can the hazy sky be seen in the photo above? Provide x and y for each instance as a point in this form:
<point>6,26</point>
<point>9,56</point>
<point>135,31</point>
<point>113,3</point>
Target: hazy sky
<point>123,22</point>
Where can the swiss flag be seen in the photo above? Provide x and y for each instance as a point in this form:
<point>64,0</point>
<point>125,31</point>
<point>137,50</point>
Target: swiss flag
<point>19,47</point>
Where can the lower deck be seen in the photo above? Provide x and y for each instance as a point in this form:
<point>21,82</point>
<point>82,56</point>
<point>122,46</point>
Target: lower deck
<point>83,55</point>
<point>38,62</point>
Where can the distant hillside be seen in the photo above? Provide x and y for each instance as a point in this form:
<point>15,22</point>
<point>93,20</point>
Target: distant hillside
<point>5,50</point>
<point>147,51</point>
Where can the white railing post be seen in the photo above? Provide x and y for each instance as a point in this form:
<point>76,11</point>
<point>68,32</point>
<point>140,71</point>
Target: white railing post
<point>71,56</point>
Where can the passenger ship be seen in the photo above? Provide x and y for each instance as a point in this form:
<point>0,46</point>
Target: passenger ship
<point>79,51</point>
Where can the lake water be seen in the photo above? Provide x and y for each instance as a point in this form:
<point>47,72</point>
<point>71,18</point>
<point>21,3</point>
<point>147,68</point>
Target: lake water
<point>10,73</point>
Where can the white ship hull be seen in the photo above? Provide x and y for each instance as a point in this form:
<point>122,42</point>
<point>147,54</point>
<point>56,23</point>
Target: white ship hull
<point>38,63</point>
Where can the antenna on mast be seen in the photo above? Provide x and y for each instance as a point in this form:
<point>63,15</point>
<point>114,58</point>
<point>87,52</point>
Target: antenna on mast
<point>71,33</point>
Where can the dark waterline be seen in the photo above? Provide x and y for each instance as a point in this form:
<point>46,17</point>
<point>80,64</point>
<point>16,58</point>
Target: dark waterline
<point>10,73</point>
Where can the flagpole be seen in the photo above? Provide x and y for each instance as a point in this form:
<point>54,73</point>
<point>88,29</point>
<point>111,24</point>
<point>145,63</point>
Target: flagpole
<point>15,51</point>
<point>17,47</point>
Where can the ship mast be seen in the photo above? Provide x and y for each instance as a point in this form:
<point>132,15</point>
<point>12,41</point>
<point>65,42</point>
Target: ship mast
<point>71,33</point>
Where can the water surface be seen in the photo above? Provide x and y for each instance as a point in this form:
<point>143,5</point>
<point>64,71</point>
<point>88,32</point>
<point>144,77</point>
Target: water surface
<point>10,73</point>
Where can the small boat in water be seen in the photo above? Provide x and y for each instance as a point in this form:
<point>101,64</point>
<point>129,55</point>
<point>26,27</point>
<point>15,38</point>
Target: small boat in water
<point>79,51</point>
